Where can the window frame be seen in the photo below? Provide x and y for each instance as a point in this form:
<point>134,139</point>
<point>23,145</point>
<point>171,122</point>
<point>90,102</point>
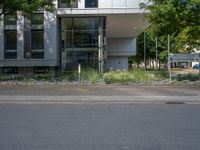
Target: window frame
<point>7,21</point>
<point>34,22</point>
<point>10,50</point>
<point>90,6</point>
<point>15,70</point>
<point>37,50</point>
<point>72,5</point>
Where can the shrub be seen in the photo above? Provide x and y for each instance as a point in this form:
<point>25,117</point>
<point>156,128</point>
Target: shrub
<point>159,75</point>
<point>189,77</point>
<point>122,77</point>
<point>89,75</point>
<point>132,76</point>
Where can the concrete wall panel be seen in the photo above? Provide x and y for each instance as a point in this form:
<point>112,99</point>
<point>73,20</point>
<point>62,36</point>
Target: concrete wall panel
<point>117,63</point>
<point>121,46</point>
<point>20,36</point>
<point>105,4</point>
<point>50,37</point>
<point>119,3</point>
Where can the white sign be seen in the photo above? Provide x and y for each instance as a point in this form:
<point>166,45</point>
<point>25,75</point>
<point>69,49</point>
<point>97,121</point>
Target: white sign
<point>184,57</point>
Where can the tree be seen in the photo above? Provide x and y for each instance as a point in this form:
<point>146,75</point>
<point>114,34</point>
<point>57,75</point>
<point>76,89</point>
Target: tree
<point>151,47</point>
<point>179,18</point>
<point>27,6</point>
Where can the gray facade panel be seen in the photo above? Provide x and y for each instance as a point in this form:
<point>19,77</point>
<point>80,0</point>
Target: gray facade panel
<point>27,36</point>
<point>121,47</point>
<point>28,63</point>
<point>51,50</point>
<point>20,37</point>
<point>117,63</point>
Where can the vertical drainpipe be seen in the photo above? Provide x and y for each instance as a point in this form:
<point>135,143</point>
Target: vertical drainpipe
<point>100,47</point>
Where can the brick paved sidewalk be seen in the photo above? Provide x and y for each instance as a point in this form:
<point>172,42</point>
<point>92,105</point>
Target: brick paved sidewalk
<point>100,94</point>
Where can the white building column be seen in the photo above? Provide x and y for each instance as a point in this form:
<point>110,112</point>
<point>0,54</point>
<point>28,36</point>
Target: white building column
<point>55,2</point>
<point>81,4</point>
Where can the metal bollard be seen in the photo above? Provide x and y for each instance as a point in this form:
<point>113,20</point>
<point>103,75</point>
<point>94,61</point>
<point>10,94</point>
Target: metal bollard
<point>79,73</point>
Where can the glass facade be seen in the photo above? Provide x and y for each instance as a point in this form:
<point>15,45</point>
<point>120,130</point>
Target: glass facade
<point>37,39</point>
<point>37,19</point>
<point>10,44</point>
<point>10,36</point>
<point>37,44</point>
<point>80,39</point>
<point>91,3</point>
<point>66,4</point>
<point>34,35</point>
<point>10,19</point>
<point>10,70</point>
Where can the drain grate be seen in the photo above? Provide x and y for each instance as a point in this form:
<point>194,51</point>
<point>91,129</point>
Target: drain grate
<point>175,102</point>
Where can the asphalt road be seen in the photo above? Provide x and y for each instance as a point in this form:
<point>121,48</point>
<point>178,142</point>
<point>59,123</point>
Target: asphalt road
<point>99,127</point>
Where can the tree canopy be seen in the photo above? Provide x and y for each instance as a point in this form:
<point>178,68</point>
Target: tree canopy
<point>179,18</point>
<point>26,6</point>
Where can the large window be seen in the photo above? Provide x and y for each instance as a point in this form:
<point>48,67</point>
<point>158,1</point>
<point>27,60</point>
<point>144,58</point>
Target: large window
<point>37,44</point>
<point>10,19</point>
<point>34,36</point>
<point>37,19</point>
<point>64,4</point>
<point>10,70</point>
<point>37,36</point>
<point>10,44</point>
<point>80,41</point>
<point>91,3</point>
<point>80,32</point>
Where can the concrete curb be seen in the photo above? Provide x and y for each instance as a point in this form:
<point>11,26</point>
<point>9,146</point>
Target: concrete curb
<point>44,99</point>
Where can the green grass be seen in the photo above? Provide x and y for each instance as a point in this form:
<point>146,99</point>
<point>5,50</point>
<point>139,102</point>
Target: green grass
<point>91,76</point>
<point>133,76</point>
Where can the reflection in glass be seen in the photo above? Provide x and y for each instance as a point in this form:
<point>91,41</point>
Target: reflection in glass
<point>10,39</point>
<point>80,41</point>
<point>10,19</point>
<point>91,3</point>
<point>37,44</point>
<point>67,4</point>
<point>37,19</point>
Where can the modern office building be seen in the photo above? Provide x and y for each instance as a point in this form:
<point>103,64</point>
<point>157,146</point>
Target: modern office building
<point>99,34</point>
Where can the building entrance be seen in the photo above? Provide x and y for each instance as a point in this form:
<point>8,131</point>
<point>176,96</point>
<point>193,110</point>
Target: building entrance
<point>82,42</point>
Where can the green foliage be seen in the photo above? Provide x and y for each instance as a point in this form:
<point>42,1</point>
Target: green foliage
<point>189,77</point>
<point>161,75</point>
<point>151,47</point>
<point>180,19</point>
<point>71,75</point>
<point>62,76</point>
<point>26,6</point>
<point>9,77</point>
<point>134,76</point>
<point>89,75</point>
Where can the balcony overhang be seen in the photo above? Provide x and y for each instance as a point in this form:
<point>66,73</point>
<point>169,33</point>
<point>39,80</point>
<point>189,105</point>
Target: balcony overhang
<point>125,25</point>
<point>98,11</point>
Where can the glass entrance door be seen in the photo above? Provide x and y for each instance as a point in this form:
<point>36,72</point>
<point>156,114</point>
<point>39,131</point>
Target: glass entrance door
<point>80,42</point>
